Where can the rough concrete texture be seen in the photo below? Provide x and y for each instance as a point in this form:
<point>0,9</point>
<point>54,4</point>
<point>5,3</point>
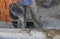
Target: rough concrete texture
<point>5,24</point>
<point>50,18</point>
<point>26,34</point>
<point>22,35</point>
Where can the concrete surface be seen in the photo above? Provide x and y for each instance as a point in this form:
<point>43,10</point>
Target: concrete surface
<point>50,17</point>
<point>22,35</point>
<point>25,34</point>
<point>6,24</point>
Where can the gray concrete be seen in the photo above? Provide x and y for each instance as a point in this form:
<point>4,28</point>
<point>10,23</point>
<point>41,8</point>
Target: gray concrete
<point>12,34</point>
<point>25,34</point>
<point>5,24</point>
<point>50,18</point>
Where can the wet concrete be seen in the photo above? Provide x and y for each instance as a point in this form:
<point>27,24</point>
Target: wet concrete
<point>22,35</point>
<point>26,34</point>
<point>50,18</point>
